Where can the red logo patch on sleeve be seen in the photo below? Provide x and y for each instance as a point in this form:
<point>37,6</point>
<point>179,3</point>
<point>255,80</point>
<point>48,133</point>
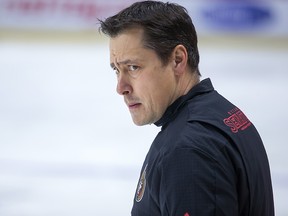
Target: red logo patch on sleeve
<point>237,120</point>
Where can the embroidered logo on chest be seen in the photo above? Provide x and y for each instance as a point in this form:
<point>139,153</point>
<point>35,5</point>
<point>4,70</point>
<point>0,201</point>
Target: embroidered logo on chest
<point>141,186</point>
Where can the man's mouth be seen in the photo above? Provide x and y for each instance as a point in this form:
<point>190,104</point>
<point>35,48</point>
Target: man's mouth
<point>134,105</point>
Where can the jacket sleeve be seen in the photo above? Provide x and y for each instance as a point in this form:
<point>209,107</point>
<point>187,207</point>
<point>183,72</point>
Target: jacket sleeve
<point>195,183</point>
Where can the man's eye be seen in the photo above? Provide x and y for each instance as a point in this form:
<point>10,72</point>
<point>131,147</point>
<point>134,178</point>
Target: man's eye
<point>132,67</point>
<point>115,69</point>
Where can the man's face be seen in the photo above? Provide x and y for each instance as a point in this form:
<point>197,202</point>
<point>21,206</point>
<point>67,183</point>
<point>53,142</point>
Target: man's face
<point>147,86</point>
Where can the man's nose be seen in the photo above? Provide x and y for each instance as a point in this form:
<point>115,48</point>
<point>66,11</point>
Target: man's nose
<point>123,85</point>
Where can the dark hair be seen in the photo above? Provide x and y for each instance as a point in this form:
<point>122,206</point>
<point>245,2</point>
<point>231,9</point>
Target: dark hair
<point>165,26</point>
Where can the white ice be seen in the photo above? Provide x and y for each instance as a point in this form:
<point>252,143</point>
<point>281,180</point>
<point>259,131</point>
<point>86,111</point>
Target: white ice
<point>67,142</point>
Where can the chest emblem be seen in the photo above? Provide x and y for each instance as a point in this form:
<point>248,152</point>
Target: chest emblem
<point>141,185</point>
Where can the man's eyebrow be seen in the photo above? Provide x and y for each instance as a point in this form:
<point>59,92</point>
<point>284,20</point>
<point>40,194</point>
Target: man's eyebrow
<point>112,65</point>
<point>125,62</point>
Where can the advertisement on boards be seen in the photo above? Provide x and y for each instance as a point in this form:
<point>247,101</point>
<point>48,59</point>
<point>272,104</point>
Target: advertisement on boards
<point>265,18</point>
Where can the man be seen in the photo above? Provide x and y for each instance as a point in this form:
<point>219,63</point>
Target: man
<point>208,158</point>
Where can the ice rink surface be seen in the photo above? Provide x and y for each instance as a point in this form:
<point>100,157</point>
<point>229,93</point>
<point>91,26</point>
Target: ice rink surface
<point>67,142</point>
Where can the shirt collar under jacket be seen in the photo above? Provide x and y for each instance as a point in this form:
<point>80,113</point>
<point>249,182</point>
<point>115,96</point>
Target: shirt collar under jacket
<point>203,87</point>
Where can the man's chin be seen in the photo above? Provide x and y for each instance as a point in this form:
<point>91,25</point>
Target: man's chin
<point>139,122</point>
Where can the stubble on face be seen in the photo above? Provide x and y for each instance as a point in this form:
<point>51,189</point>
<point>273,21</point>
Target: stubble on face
<point>146,93</point>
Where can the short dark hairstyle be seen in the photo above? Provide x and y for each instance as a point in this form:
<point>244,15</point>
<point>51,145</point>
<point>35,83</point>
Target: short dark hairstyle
<point>165,26</point>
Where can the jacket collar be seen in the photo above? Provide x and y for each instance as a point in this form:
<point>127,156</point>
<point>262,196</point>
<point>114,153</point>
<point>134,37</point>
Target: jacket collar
<point>202,87</point>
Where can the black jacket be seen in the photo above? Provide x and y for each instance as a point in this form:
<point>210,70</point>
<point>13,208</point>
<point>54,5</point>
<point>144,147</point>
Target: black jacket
<point>208,159</point>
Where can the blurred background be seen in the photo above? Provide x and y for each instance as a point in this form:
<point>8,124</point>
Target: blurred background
<point>67,142</point>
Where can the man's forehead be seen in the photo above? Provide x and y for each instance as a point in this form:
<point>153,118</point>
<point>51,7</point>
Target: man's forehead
<point>125,50</point>
<point>124,56</point>
<point>131,38</point>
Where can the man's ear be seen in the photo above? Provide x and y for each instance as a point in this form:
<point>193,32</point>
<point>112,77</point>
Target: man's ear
<point>180,59</point>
